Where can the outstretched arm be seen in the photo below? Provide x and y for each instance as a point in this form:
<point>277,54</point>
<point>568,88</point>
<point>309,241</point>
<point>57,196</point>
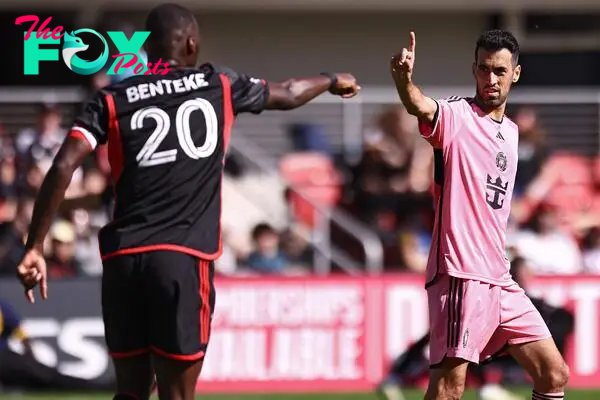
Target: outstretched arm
<point>296,92</point>
<point>252,95</point>
<point>412,97</point>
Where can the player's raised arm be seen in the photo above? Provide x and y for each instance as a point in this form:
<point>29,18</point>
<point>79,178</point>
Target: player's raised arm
<point>414,100</point>
<point>296,92</point>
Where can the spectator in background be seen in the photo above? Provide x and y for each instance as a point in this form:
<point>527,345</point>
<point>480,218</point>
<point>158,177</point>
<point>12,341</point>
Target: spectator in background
<point>8,172</point>
<point>87,224</point>
<point>532,149</point>
<point>34,176</point>
<point>414,241</point>
<point>297,248</point>
<point>546,247</point>
<point>395,167</point>
<point>36,148</point>
<point>266,257</point>
<point>43,140</point>
<point>61,259</point>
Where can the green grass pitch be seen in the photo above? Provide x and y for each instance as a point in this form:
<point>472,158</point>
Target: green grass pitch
<point>409,394</point>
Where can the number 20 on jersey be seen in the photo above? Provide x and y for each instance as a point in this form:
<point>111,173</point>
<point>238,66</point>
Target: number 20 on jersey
<point>149,155</point>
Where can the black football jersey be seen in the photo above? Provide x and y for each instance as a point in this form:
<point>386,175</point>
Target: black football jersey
<point>167,136</point>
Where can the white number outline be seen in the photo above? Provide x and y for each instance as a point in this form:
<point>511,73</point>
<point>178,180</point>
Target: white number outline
<point>148,156</point>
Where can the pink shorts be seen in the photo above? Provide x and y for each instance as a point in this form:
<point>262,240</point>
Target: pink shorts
<point>474,320</point>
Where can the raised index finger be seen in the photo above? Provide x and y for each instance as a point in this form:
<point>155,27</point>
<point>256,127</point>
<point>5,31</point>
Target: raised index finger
<point>412,43</point>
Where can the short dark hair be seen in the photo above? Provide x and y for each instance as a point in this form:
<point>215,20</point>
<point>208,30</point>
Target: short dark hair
<point>262,229</point>
<point>498,39</point>
<point>166,20</point>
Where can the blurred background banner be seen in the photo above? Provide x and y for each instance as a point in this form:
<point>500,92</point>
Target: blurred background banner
<point>295,334</point>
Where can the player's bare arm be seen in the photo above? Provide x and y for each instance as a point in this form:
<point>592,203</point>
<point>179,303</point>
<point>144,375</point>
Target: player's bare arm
<point>32,268</point>
<point>294,93</point>
<point>416,103</point>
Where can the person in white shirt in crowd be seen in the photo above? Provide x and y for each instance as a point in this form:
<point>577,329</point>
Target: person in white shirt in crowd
<point>548,249</point>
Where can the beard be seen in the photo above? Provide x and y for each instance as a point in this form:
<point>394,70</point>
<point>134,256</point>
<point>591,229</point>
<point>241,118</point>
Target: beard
<point>492,101</point>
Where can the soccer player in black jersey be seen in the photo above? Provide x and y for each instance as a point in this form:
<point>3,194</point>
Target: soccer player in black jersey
<point>167,135</point>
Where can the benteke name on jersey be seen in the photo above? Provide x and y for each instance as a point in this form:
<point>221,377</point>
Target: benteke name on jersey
<point>145,91</point>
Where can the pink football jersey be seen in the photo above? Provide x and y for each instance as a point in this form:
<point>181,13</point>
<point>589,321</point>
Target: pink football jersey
<point>475,167</point>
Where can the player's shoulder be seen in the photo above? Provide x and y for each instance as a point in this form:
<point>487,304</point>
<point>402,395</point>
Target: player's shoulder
<point>235,76</point>
<point>223,69</point>
<point>456,104</point>
<point>228,72</point>
<point>454,101</point>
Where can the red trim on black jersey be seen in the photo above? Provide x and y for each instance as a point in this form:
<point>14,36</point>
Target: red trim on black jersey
<point>74,133</point>
<point>178,357</point>
<point>204,285</point>
<point>228,108</point>
<point>164,247</point>
<point>115,146</point>
<point>129,354</point>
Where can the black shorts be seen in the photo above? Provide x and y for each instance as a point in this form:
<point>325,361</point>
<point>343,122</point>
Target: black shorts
<point>159,301</point>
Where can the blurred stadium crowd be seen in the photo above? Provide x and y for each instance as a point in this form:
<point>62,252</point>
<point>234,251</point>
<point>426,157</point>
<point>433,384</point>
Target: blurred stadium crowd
<point>555,223</point>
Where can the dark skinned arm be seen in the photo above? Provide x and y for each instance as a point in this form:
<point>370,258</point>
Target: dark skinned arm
<point>296,92</point>
<point>88,201</point>
<point>251,95</point>
<point>52,192</point>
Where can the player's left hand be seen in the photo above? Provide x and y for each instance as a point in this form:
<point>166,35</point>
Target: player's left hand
<point>31,272</point>
<point>346,86</point>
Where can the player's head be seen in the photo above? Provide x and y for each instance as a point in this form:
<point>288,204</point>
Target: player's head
<point>174,35</point>
<point>496,66</point>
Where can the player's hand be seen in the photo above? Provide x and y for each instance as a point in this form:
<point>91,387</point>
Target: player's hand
<point>346,86</point>
<point>32,272</point>
<point>403,63</point>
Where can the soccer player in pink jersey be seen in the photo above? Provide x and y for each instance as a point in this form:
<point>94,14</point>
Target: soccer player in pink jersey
<point>476,310</point>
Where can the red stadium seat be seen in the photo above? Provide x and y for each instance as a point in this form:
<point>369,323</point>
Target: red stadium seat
<point>312,176</point>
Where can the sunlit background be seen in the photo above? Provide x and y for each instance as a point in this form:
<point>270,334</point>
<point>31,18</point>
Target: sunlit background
<point>327,210</point>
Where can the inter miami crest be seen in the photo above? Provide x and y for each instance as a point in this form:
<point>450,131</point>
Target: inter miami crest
<point>501,161</point>
<point>496,190</point>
